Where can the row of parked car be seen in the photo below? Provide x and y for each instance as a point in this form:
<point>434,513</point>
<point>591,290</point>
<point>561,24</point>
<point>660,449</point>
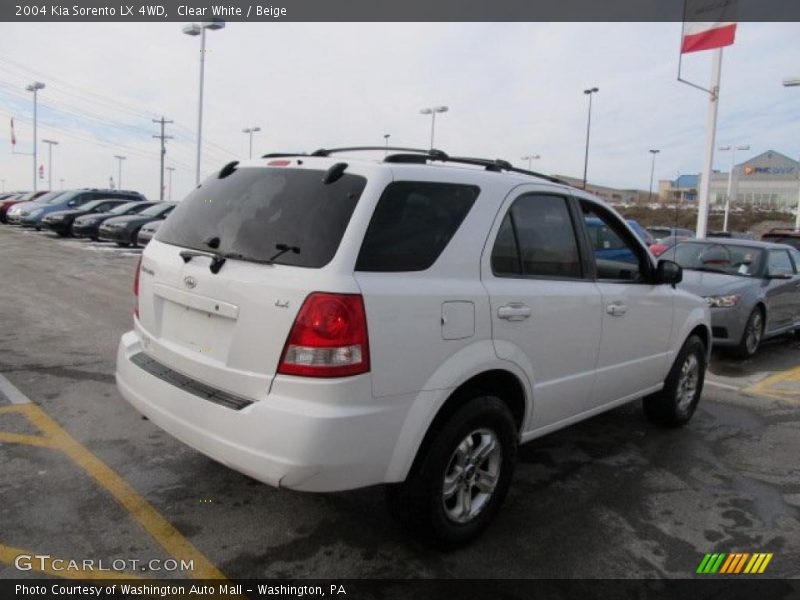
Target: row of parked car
<point>124,217</point>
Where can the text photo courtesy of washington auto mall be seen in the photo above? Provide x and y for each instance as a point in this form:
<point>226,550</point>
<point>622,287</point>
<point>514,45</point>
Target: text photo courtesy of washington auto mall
<point>400,300</point>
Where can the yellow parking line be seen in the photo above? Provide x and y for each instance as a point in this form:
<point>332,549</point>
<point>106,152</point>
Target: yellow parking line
<point>28,440</point>
<point>766,387</point>
<point>138,507</point>
<point>9,554</point>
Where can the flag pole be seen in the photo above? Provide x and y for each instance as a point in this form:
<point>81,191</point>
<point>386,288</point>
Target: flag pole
<point>708,157</point>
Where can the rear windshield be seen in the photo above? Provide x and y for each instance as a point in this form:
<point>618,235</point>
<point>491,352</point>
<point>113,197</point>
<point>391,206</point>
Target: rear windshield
<point>252,211</point>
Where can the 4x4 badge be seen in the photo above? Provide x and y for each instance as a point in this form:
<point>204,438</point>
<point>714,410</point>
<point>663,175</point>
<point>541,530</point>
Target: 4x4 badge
<point>190,282</point>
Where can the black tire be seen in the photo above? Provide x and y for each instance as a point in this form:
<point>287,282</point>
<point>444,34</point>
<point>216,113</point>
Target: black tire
<point>123,244</point>
<point>675,403</point>
<point>62,234</point>
<point>135,238</point>
<point>752,335</point>
<point>419,503</point>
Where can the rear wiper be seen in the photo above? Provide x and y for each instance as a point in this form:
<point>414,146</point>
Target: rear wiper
<point>218,259</point>
<point>283,249</point>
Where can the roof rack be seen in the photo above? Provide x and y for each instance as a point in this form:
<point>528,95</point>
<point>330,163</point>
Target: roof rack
<point>422,156</point>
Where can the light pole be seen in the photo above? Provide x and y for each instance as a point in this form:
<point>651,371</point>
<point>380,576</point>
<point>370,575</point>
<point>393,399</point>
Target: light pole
<point>652,171</point>
<point>386,137</point>
<point>794,82</point>
<point>119,170</point>
<point>729,194</point>
<point>432,112</point>
<point>589,92</point>
<point>50,144</point>
<point>194,29</point>
<point>170,169</point>
<point>251,131</point>
<point>34,87</point>
<point>529,158</point>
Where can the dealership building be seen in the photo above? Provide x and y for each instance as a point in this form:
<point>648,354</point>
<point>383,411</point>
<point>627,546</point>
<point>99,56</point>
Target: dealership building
<point>768,181</point>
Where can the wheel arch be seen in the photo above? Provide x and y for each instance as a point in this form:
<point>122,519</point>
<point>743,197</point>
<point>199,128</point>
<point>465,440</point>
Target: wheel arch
<point>432,408</point>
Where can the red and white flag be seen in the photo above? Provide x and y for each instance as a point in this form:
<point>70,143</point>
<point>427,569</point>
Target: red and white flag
<point>708,24</point>
<point>13,137</point>
<point>705,36</point>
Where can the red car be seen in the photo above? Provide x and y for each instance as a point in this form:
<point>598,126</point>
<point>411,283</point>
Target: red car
<point>10,201</point>
<point>662,245</point>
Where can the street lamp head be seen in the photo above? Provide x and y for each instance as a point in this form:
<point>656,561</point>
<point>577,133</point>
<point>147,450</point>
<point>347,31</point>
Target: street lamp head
<point>723,148</point>
<point>55,143</point>
<point>214,24</point>
<point>192,29</point>
<point>441,109</point>
<point>425,111</point>
<point>744,147</point>
<point>791,81</point>
<point>655,151</point>
<point>591,90</point>
<point>118,157</point>
<point>256,128</point>
<point>36,85</point>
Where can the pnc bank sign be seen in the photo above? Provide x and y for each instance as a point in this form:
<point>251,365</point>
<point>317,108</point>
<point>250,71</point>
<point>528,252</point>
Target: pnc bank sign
<point>750,170</point>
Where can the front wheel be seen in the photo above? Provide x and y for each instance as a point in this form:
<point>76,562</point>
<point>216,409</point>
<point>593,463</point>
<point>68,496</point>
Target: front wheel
<point>751,338</point>
<point>676,402</point>
<point>457,486</point>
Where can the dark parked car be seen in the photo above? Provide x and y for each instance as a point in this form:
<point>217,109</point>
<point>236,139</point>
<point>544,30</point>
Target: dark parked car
<point>123,230</point>
<point>89,225</point>
<point>61,221</point>
<point>68,200</point>
<point>659,232</point>
<point>790,237</point>
<point>147,232</point>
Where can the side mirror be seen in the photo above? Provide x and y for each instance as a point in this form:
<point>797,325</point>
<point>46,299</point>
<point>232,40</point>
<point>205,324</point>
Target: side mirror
<point>668,272</point>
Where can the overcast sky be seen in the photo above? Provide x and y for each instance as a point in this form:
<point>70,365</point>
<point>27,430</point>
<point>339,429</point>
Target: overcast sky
<point>512,89</point>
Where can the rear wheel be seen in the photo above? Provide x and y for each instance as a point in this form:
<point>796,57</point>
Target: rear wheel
<point>751,338</point>
<point>457,486</point>
<point>676,402</point>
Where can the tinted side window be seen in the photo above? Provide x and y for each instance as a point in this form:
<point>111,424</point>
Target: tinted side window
<point>780,263</point>
<point>616,256</point>
<point>537,239</point>
<point>412,224</point>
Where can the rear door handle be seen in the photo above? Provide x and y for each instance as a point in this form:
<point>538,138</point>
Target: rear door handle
<point>514,311</point>
<point>616,309</point>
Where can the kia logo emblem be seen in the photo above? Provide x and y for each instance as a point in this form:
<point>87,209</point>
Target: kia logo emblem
<point>190,282</point>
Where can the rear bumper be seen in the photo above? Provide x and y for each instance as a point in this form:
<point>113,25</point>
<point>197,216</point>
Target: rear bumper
<point>310,435</point>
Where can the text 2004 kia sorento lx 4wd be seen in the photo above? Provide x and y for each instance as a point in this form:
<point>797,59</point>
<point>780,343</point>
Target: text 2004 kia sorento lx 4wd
<point>324,322</point>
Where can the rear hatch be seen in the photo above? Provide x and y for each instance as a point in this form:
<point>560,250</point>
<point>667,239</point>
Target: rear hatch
<point>279,229</point>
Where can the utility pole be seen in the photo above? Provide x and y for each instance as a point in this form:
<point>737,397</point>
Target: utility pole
<point>171,170</point>
<point>119,170</point>
<point>50,144</point>
<point>652,171</point>
<point>162,121</point>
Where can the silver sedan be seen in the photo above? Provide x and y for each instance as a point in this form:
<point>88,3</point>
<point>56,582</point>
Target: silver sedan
<point>753,289</point>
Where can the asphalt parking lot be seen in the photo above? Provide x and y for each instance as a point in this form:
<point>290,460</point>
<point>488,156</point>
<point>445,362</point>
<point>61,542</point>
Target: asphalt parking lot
<point>85,477</point>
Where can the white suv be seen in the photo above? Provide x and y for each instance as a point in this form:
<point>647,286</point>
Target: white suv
<point>324,323</point>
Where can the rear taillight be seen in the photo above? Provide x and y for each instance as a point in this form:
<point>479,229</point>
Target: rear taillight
<point>136,287</point>
<point>658,249</point>
<point>328,339</point>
